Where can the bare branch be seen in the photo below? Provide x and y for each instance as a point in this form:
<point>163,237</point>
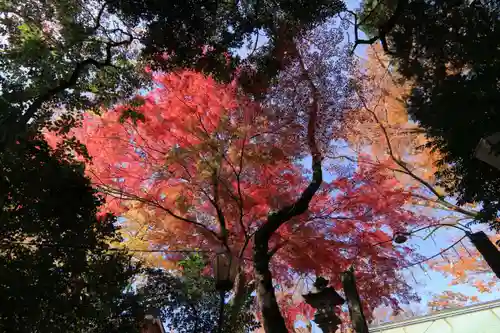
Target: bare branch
<point>98,18</point>
<point>218,209</point>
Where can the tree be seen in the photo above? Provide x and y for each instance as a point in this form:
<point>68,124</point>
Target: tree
<point>381,128</point>
<point>210,169</point>
<point>62,56</point>
<point>445,49</point>
<point>204,35</point>
<point>380,133</point>
<point>58,274</point>
<point>188,302</point>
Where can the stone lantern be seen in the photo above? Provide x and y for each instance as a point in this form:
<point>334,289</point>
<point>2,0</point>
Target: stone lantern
<point>325,300</point>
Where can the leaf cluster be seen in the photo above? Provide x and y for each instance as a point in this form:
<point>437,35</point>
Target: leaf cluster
<point>57,272</point>
<point>64,55</point>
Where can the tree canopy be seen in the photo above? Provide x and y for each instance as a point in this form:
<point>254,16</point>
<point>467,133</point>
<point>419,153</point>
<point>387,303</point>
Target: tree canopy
<point>204,35</point>
<point>294,161</point>
<point>449,52</point>
<point>62,55</point>
<point>204,166</point>
<point>57,272</point>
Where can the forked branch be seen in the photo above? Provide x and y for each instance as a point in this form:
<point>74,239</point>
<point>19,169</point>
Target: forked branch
<point>383,30</point>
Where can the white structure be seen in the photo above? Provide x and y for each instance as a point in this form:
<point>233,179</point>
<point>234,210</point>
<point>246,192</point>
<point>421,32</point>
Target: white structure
<point>481,318</point>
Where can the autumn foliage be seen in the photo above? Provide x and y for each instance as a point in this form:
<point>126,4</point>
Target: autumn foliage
<point>466,266</point>
<point>201,167</point>
<point>380,133</point>
<point>381,125</point>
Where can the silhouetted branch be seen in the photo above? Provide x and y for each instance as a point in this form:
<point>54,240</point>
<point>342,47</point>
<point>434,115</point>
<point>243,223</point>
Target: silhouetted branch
<point>383,29</point>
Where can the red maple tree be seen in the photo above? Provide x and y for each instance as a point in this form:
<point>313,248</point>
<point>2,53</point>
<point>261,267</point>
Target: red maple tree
<point>207,168</point>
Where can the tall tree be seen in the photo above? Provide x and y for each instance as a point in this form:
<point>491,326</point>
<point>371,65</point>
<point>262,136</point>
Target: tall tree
<point>380,133</point>
<point>57,272</point>
<point>209,168</point>
<point>63,55</point>
<point>448,50</point>
<point>380,130</point>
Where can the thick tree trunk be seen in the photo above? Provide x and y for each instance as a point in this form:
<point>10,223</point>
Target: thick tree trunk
<point>489,251</point>
<point>354,303</point>
<point>272,320</point>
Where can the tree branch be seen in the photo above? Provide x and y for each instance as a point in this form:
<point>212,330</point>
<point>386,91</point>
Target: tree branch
<point>238,184</point>
<point>383,29</point>
<point>440,198</point>
<point>276,219</point>
<point>98,18</point>
<point>120,194</point>
<point>273,320</point>
<point>218,209</point>
<point>71,81</point>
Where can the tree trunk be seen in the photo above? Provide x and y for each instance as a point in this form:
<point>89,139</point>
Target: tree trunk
<point>355,308</point>
<point>272,320</point>
<point>489,251</point>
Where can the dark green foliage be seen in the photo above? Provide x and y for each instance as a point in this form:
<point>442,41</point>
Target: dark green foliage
<point>132,113</point>
<point>69,281</point>
<point>74,55</point>
<point>450,51</point>
<point>374,13</point>
<point>200,34</point>
<point>62,54</point>
<point>190,303</point>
